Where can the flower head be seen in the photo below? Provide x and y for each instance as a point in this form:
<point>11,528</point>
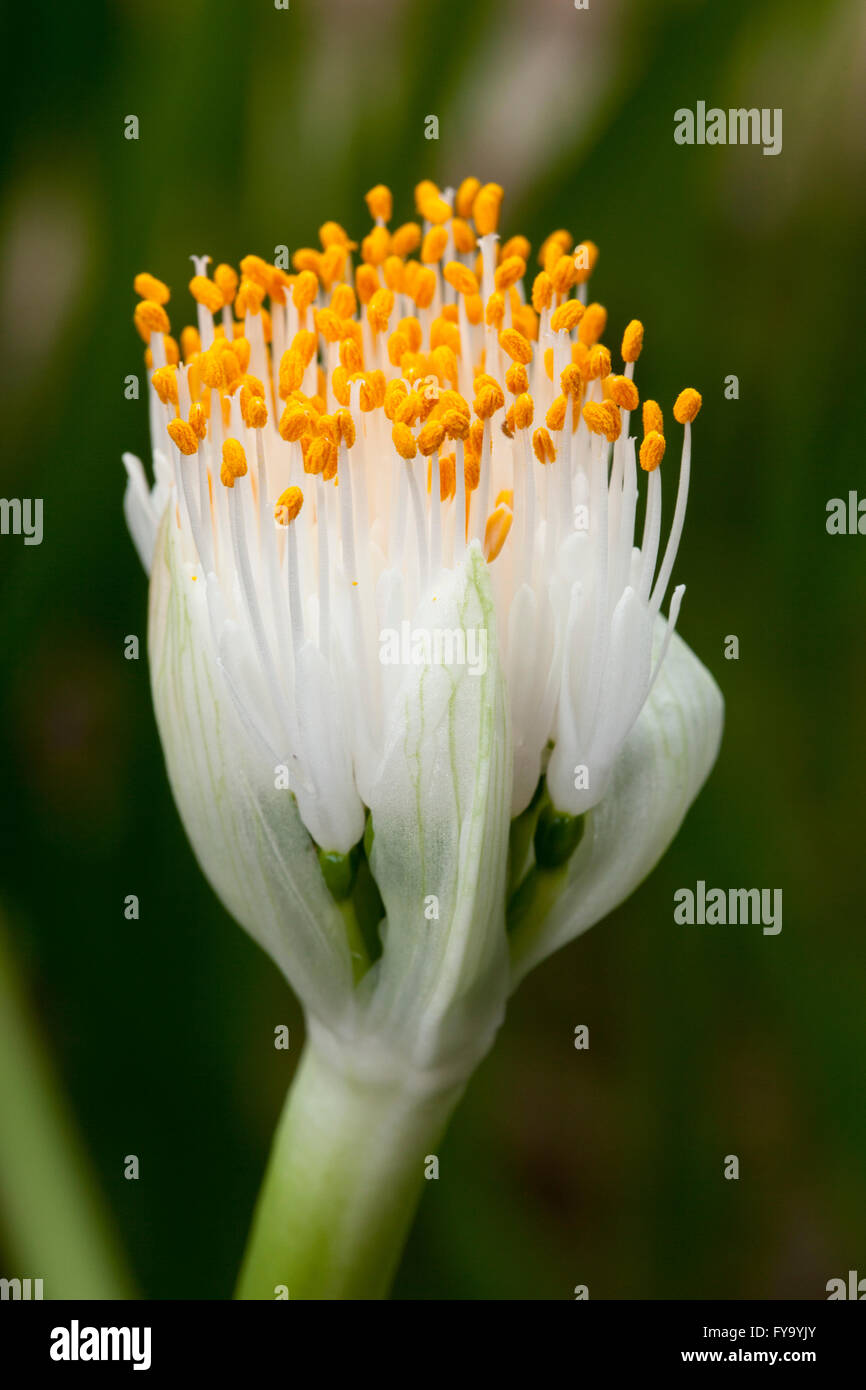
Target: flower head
<point>410,408</point>
<point>411,420</point>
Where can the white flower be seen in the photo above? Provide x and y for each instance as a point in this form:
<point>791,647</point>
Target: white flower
<point>452,458</point>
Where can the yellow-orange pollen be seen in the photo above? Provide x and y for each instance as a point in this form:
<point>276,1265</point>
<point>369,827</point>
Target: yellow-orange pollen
<point>413,322</point>
<point>289,504</point>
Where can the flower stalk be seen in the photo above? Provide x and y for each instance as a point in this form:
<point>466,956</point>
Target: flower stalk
<point>343,1181</point>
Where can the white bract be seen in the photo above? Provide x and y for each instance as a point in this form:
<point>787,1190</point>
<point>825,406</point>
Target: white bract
<point>451,460</point>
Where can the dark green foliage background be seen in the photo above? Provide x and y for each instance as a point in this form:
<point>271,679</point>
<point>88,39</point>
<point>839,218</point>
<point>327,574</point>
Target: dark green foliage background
<point>563,1167</point>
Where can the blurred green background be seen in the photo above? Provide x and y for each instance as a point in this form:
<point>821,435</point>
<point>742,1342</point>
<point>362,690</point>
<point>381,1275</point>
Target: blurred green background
<point>563,1167</point>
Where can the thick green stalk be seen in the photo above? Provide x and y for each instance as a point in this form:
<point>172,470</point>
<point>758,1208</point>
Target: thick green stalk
<point>343,1181</point>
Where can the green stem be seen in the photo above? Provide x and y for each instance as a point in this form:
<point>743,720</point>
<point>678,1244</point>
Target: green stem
<point>355,938</point>
<point>528,909</point>
<point>344,1178</point>
<point>54,1221</point>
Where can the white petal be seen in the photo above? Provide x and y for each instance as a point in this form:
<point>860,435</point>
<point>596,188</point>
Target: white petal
<point>440,812</point>
<point>531,647</point>
<point>247,835</point>
<point>332,812</point>
<point>138,510</point>
<point>656,777</point>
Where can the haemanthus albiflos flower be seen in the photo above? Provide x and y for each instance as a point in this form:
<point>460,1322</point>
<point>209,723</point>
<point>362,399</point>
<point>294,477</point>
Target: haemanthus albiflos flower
<point>392,438</point>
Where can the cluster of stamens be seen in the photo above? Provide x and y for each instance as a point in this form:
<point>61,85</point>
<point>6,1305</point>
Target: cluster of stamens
<point>444,346</point>
<point>371,410</point>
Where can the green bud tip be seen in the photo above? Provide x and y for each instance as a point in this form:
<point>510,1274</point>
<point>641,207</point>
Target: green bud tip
<point>557,836</point>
